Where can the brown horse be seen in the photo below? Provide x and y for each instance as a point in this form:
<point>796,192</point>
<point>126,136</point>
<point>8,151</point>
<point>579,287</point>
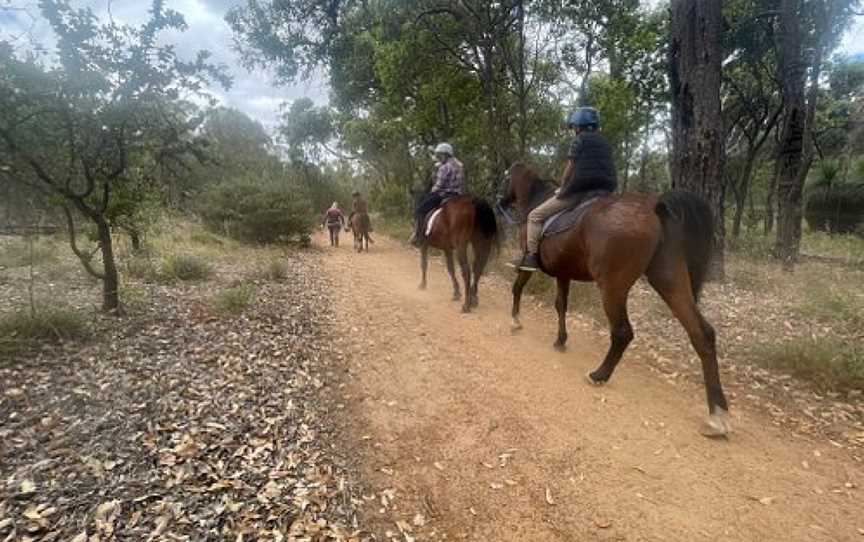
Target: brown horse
<point>360,225</point>
<point>463,221</point>
<point>617,240</point>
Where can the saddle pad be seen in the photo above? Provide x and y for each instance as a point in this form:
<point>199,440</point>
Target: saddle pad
<point>431,220</point>
<point>566,219</point>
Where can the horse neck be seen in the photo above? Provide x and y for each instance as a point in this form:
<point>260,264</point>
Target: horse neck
<point>537,192</point>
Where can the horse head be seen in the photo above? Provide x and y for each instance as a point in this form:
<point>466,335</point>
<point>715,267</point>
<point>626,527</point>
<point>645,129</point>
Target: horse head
<point>523,188</point>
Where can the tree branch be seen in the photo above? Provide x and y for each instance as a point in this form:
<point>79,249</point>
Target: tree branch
<point>86,260</point>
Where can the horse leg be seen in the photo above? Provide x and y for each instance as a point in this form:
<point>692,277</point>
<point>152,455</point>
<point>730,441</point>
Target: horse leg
<point>451,269</point>
<point>462,254</point>
<point>482,249</point>
<point>561,307</point>
<point>521,280</point>
<point>620,331</point>
<point>424,264</point>
<point>678,295</point>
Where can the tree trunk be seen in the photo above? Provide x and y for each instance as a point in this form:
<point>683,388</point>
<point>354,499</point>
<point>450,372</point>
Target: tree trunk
<point>790,169</point>
<point>697,159</point>
<point>135,238</point>
<point>741,191</point>
<point>110,281</point>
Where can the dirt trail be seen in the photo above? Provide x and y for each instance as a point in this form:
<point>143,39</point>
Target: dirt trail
<point>471,426</point>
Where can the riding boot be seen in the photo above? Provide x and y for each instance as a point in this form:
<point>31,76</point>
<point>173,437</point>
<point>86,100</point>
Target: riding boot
<point>528,262</point>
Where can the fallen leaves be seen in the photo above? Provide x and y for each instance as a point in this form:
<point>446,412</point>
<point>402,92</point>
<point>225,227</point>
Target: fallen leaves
<point>178,425</point>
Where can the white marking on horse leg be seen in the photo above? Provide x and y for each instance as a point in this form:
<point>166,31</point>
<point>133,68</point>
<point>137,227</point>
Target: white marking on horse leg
<point>717,424</point>
<point>596,383</point>
<point>515,325</point>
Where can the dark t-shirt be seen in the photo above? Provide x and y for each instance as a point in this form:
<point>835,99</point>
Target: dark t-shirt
<point>593,166</point>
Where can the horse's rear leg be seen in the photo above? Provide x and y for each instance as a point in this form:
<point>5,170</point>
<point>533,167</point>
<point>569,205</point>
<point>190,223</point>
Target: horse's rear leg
<point>451,270</point>
<point>561,307</point>
<point>521,280</point>
<point>424,265</point>
<point>677,293</point>
<point>482,249</point>
<point>620,332</point>
<point>462,254</point>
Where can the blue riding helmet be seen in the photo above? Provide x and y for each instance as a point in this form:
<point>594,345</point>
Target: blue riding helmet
<point>584,116</point>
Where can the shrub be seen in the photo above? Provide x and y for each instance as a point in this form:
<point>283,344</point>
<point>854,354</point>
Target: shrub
<point>185,267</point>
<point>835,209</point>
<point>257,212</point>
<point>23,329</point>
<point>141,267</point>
<point>274,270</point>
<point>234,300</point>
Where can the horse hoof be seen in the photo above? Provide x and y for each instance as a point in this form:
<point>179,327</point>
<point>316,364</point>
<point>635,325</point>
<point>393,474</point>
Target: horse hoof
<point>515,326</point>
<point>717,425</point>
<point>456,297</point>
<point>560,347</point>
<point>422,286</point>
<point>595,383</point>
<point>466,309</point>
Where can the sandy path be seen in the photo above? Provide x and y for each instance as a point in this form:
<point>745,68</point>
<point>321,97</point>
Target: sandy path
<point>438,397</point>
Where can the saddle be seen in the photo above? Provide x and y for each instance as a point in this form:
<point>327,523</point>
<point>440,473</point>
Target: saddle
<point>568,218</point>
<point>433,215</point>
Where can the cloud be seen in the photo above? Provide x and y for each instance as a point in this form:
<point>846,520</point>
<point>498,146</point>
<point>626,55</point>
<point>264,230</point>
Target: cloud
<point>252,92</point>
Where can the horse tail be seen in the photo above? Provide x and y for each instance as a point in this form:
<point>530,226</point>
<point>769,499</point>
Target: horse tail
<point>486,223</point>
<point>688,226</point>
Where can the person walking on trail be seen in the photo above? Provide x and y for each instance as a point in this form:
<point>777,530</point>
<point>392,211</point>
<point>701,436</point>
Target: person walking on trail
<point>589,168</point>
<point>334,220</point>
<point>449,182</point>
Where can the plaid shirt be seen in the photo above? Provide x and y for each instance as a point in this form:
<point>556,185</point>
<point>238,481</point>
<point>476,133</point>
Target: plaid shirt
<point>450,178</point>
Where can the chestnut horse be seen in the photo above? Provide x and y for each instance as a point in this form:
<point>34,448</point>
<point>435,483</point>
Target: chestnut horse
<point>464,220</point>
<point>618,239</point>
<point>360,225</point>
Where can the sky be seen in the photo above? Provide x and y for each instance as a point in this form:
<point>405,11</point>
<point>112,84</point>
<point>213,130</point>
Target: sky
<point>252,92</point>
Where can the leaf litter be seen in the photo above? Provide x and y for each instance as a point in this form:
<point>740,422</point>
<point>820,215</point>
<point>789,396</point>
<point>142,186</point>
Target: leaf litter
<point>182,425</point>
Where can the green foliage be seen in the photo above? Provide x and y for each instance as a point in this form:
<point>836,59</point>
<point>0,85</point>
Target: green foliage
<point>22,330</point>
<point>234,300</point>
<point>838,209</point>
<point>257,212</point>
<point>185,267</point>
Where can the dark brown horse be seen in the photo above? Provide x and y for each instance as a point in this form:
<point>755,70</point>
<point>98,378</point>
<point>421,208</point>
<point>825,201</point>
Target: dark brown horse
<point>463,221</point>
<point>619,239</point>
<point>360,225</point>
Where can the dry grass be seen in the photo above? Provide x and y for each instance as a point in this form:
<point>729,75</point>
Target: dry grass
<point>23,330</point>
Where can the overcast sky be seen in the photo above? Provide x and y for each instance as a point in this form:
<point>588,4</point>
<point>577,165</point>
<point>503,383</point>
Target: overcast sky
<point>254,92</point>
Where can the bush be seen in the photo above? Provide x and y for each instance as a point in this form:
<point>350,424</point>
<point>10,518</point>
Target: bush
<point>835,209</point>
<point>234,300</point>
<point>257,212</point>
<point>22,329</point>
<point>141,267</point>
<point>185,267</point>
<point>274,270</point>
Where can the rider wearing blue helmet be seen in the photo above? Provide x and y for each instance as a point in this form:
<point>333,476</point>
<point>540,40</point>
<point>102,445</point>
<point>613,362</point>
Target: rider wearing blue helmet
<point>590,167</point>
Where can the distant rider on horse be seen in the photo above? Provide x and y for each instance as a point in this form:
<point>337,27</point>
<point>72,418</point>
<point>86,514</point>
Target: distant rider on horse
<point>449,182</point>
<point>358,205</point>
<point>590,168</point>
<point>334,220</point>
